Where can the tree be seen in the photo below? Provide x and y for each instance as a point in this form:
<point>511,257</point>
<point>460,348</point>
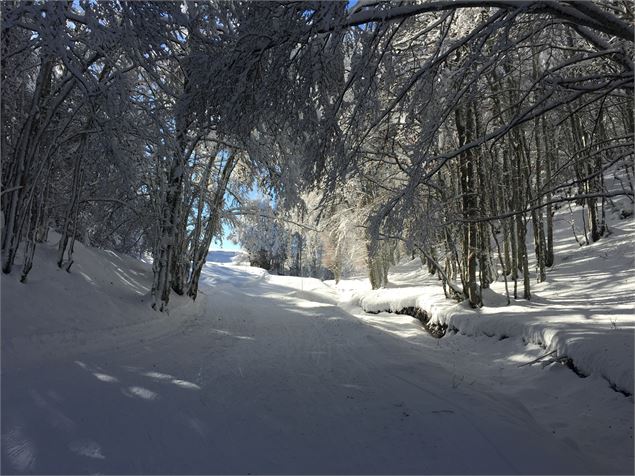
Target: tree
<point>450,130</point>
<point>263,236</point>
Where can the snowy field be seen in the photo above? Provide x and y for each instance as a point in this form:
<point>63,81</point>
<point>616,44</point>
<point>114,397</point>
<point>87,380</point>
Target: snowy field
<point>274,374</point>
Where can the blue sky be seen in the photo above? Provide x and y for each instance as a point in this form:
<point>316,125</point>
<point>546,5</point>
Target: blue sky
<point>226,243</point>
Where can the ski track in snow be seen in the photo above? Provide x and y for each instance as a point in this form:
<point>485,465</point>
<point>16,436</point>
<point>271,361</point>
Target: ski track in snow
<point>271,376</point>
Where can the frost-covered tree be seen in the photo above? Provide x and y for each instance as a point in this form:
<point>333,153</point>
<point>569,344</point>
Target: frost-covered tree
<point>443,99</point>
<point>262,235</point>
<point>448,130</point>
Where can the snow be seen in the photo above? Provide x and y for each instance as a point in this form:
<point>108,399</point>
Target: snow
<point>583,311</point>
<point>278,374</point>
<point>221,256</point>
<point>102,301</point>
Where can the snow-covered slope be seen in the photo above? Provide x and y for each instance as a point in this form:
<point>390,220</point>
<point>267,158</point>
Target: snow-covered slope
<point>104,299</point>
<point>584,311</point>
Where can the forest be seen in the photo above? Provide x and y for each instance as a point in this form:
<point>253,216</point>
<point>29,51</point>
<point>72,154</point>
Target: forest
<point>317,237</point>
<point>452,131</point>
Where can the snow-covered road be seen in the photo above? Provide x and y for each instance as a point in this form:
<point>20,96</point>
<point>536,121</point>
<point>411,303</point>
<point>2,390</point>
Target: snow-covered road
<point>272,377</point>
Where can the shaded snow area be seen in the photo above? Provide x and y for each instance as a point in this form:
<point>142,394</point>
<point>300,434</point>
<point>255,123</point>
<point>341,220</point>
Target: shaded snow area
<point>287,375</point>
<point>583,311</point>
<point>104,301</point>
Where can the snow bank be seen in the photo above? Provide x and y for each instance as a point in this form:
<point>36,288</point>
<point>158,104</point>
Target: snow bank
<point>104,297</point>
<point>583,311</point>
<point>241,258</point>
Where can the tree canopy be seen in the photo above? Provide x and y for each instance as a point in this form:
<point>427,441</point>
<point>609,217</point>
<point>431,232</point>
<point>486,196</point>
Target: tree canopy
<point>439,128</point>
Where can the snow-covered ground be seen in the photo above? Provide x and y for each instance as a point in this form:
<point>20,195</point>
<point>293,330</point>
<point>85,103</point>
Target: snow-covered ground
<point>104,301</point>
<point>274,374</point>
<point>584,311</point>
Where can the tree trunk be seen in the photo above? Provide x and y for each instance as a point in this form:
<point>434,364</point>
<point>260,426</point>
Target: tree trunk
<point>213,223</point>
<point>74,203</point>
<point>469,208</point>
<point>18,175</point>
<point>549,164</point>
